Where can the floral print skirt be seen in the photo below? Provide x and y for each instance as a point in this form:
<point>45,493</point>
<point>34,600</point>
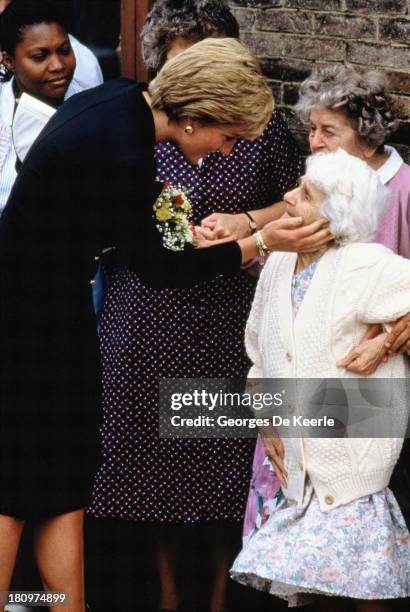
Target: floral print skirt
<point>359,550</point>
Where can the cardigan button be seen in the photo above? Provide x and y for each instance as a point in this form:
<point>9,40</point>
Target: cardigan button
<point>289,356</point>
<point>329,499</point>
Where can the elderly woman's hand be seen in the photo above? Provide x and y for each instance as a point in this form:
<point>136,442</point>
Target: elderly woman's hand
<point>365,358</point>
<point>375,348</point>
<point>398,341</point>
<point>275,452</point>
<point>286,235</point>
<point>220,225</point>
<point>201,239</point>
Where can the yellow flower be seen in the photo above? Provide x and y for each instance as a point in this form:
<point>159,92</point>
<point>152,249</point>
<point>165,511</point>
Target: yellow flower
<point>163,213</point>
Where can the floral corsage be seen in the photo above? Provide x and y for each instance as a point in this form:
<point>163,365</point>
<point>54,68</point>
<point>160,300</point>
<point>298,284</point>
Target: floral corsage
<point>172,209</point>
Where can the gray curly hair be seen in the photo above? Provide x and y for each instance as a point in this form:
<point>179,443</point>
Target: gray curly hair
<point>190,19</point>
<point>361,95</point>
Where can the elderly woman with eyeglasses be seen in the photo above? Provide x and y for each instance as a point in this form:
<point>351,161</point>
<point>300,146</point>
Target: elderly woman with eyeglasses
<point>339,530</point>
<point>352,109</point>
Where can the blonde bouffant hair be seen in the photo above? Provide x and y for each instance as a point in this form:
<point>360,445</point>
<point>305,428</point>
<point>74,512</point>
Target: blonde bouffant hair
<point>215,82</point>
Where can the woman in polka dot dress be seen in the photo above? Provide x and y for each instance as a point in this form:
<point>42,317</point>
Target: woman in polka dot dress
<point>148,334</point>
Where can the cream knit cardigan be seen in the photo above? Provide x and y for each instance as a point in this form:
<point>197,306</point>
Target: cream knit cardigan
<point>353,286</point>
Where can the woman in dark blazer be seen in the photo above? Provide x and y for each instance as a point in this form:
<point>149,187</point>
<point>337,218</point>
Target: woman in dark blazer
<point>87,185</point>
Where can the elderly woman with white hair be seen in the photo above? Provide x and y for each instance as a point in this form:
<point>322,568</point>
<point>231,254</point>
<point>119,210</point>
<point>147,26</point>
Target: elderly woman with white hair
<point>341,532</point>
<point>353,110</point>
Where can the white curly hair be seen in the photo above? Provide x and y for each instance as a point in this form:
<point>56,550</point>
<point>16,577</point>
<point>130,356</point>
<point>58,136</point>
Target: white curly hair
<point>355,196</point>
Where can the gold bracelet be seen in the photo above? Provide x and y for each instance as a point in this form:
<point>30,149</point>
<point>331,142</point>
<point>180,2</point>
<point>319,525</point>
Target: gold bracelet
<point>262,248</point>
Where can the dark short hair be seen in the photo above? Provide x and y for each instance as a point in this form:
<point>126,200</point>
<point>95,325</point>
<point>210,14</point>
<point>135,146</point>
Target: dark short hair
<point>21,14</point>
<point>191,19</point>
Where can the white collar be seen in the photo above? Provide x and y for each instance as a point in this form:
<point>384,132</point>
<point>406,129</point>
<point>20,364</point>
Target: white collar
<point>391,166</point>
<point>7,102</point>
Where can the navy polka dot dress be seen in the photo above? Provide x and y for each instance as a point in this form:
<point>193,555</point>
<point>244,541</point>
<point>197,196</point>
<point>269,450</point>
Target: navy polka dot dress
<point>148,334</point>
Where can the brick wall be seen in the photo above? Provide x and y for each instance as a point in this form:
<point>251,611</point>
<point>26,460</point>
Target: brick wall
<point>290,36</point>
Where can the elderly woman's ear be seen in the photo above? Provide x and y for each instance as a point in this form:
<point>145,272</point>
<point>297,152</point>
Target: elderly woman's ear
<point>368,152</point>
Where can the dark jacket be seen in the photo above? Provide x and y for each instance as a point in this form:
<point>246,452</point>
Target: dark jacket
<point>87,184</point>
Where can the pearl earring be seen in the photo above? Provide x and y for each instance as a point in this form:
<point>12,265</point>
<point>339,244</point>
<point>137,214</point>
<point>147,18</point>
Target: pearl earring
<point>189,129</point>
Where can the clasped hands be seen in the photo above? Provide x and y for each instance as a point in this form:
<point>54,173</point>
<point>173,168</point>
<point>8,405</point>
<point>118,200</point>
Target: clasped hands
<point>284,234</point>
